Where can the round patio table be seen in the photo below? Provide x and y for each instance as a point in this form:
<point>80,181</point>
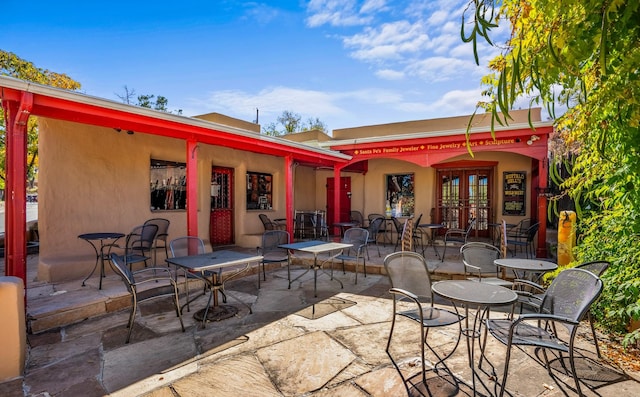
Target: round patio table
<point>98,242</point>
<point>481,296</point>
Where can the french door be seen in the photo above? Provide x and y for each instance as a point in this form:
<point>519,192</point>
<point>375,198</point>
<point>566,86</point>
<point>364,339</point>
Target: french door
<point>465,194</point>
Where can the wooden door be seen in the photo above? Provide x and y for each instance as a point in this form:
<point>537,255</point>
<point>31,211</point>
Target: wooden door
<point>345,201</point>
<point>221,228</point>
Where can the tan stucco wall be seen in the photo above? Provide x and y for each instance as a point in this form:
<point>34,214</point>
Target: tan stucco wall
<point>13,333</point>
<point>368,190</point>
<point>440,124</point>
<point>95,179</point>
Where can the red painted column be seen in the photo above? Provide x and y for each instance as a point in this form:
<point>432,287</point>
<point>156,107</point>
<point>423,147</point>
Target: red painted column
<point>17,115</point>
<point>336,199</point>
<point>541,251</point>
<point>192,188</point>
<point>288,180</point>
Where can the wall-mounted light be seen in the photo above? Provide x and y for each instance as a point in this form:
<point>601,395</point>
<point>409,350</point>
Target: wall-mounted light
<point>532,139</point>
<point>349,195</point>
<point>129,132</point>
<point>117,129</point>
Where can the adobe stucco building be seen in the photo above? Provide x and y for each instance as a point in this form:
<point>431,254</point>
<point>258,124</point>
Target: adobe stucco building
<point>102,161</point>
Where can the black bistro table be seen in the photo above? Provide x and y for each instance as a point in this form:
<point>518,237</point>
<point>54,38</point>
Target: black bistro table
<point>99,241</point>
<point>482,297</point>
<point>211,261</point>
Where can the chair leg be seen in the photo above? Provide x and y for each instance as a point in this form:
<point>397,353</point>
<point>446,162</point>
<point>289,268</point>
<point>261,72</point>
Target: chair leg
<point>593,332</point>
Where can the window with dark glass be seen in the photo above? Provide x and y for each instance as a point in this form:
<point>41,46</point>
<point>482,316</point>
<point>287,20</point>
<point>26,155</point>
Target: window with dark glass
<point>259,193</point>
<point>400,194</point>
<point>168,185</point>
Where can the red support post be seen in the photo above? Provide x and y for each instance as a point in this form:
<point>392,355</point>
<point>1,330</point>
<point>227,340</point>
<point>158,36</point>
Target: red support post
<point>192,188</point>
<point>17,116</point>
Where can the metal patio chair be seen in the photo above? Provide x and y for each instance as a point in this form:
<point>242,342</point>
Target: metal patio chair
<point>270,250</point>
<point>374,229</point>
<point>185,246</point>
<point>358,237</point>
<point>160,241</point>
<point>456,235</point>
<point>531,294</point>
<point>413,298</point>
<point>132,282</point>
<point>478,263</point>
<point>566,302</point>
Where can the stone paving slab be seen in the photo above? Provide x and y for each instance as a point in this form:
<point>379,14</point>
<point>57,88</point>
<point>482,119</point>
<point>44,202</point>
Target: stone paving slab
<point>279,350</point>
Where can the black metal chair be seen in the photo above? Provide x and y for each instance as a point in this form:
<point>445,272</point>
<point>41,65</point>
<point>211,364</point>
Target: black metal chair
<point>478,259</point>
<point>382,230</point>
<point>399,227</point>
<point>374,229</point>
<point>356,216</point>
<point>456,235</point>
<point>525,241</point>
<point>358,237</point>
<point>531,294</point>
<point>566,302</point>
<point>138,244</point>
<point>268,223</point>
<point>132,282</point>
<point>160,242</point>
<point>270,251</point>
<point>413,298</point>
<point>191,245</point>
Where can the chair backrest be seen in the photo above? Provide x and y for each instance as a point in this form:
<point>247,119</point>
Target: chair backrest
<point>416,224</point>
<point>383,224</point>
<point>571,294</point>
<point>398,225</point>
<point>374,226</point>
<point>595,267</point>
<point>531,232</point>
<point>406,242</point>
<point>163,227</point>
<point>266,222</point>
<point>187,245</point>
<point>478,258</point>
<point>408,270</point>
<point>123,270</point>
<point>142,237</point>
<point>356,236</point>
<point>271,239</point>
<point>356,216</point>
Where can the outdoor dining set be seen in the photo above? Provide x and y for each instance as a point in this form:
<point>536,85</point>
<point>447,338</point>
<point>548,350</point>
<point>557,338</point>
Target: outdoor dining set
<point>533,313</point>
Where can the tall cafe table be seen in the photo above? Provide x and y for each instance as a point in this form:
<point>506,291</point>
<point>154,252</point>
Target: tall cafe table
<point>481,296</point>
<point>315,247</point>
<point>99,241</point>
<point>211,261</point>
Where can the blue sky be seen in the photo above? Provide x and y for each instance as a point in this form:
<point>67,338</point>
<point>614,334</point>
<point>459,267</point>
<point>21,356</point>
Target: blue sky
<point>347,62</point>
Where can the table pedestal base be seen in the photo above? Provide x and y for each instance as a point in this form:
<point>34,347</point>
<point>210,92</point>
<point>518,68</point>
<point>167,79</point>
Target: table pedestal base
<point>216,313</point>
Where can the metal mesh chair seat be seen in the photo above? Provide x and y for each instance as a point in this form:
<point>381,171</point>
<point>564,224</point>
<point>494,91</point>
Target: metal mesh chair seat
<point>132,282</point>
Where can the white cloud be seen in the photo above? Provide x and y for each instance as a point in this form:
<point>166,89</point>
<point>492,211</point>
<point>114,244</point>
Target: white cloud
<point>334,13</point>
<point>389,41</point>
<point>458,102</point>
<point>389,74</point>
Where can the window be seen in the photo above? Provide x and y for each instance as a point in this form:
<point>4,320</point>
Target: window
<point>168,185</point>
<point>400,194</point>
<point>259,195</point>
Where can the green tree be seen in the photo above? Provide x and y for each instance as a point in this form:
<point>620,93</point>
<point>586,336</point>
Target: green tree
<point>161,103</point>
<point>586,55</point>
<point>14,66</point>
<point>290,123</point>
